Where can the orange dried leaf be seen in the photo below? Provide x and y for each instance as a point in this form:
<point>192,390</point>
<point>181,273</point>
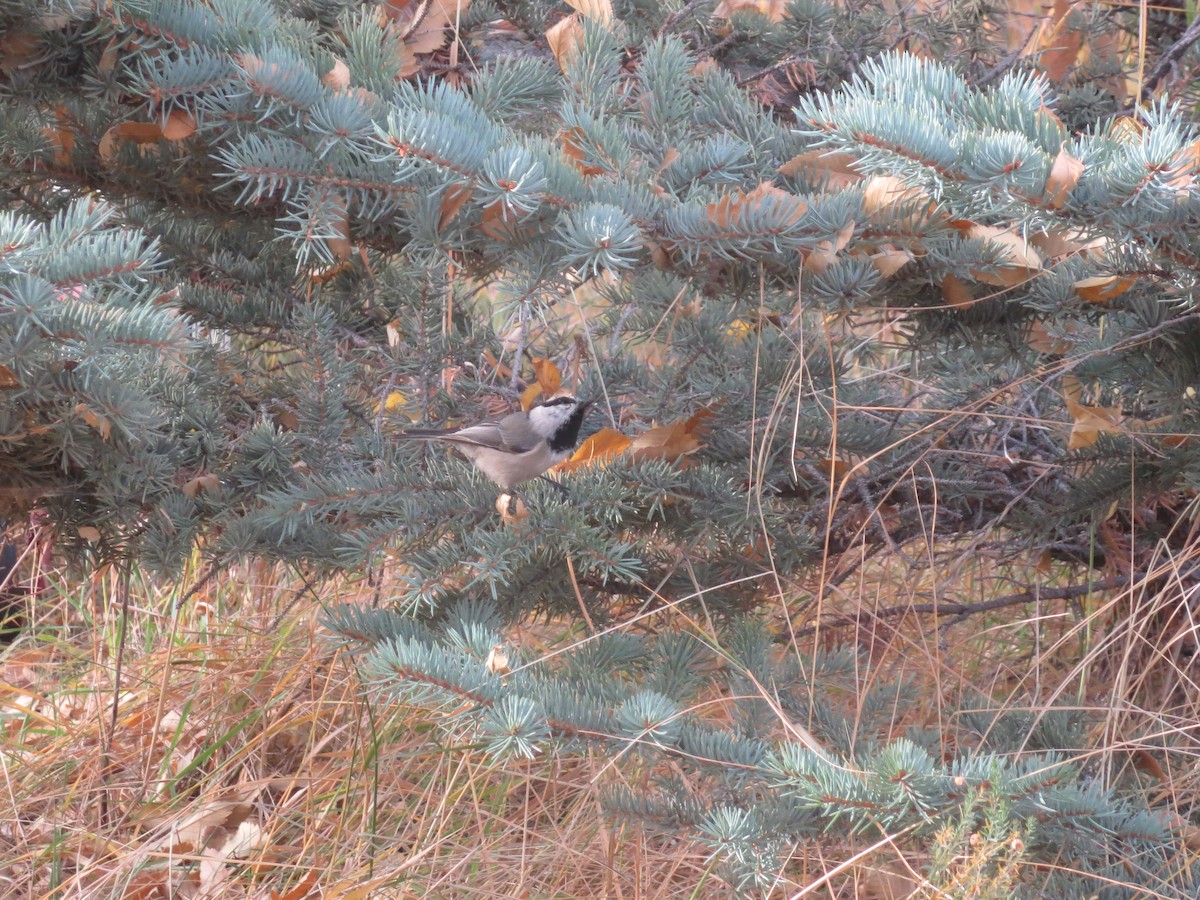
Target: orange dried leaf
<point>1019,260</point>
<point>600,10</point>
<point>563,37</point>
<point>340,246</point>
<point>511,509</point>
<point>1100,288</point>
<point>1059,44</point>
<point>668,442</point>
<point>890,260</point>
<point>530,395</point>
<point>97,421</point>
<point>61,136</point>
<point>956,293</point>
<point>547,375</point>
<point>1064,175</point>
<point>338,77</point>
<point>1127,130</point>
<point>572,146</point>
<point>209,483</point>
<point>729,210</point>
<point>453,201</point>
<point>774,10</point>
<point>604,444</point>
<point>1089,422</point>
<point>18,49</point>
<point>89,533</point>
<point>179,125</point>
<point>1040,339</point>
<point>8,378</point>
<point>828,171</point>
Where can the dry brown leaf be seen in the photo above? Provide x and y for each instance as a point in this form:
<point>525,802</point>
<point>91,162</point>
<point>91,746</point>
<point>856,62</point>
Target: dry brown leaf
<point>140,133</point>
<point>179,125</point>
<point>498,661</point>
<point>511,509</point>
<point>96,420</point>
<point>1127,130</point>
<point>775,10</point>
<point>563,37</point>
<point>604,444</point>
<point>1064,175</point>
<point>725,213</point>
<point>822,256</point>
<point>828,171</point>
<point>8,378</point>
<point>1100,288</point>
<point>956,293</point>
<point>338,77</point>
<point>572,147</point>
<point>600,10</point>
<point>1059,44</point>
<point>61,136</point>
<point>1087,422</point>
<point>340,246</point>
<point>548,381</point>
<point>547,375</point>
<point>18,49</point>
<point>672,441</point>
<point>1020,260</point>
<point>424,26</point>
<point>208,483</point>
<point>889,260</point>
<point>453,201</point>
<point>89,533</point>
<point>1040,339</point>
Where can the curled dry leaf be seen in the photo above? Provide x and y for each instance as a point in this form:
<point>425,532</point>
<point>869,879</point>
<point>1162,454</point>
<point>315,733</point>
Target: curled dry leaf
<point>563,37</point>
<point>600,10</point>
<point>89,533</point>
<point>1040,339</point>
<point>338,77</point>
<point>1087,422</point>
<point>512,509</point>
<point>956,293</point>
<point>498,661</point>
<point>1100,288</point>
<point>179,125</point>
<point>728,211</point>
<point>209,483</point>
<point>604,444</point>
<point>572,147</point>
<point>889,260</point>
<point>828,171</point>
<point>453,200</point>
<point>1064,175</point>
<point>821,256</point>
<point>548,382</point>
<point>95,419</point>
<point>774,10</point>
<point>1019,260</point>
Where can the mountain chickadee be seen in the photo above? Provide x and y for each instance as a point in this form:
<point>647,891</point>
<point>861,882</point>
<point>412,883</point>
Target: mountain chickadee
<point>519,446</point>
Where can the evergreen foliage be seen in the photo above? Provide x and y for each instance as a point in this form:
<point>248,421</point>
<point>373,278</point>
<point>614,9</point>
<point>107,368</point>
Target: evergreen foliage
<point>883,300</point>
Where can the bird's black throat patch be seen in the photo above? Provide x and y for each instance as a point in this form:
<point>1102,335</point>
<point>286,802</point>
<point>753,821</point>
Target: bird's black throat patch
<point>567,435</point>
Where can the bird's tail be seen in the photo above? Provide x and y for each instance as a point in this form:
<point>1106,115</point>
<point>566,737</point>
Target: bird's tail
<point>424,434</point>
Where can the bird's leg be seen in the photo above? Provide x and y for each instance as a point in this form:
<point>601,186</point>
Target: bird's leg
<point>550,481</point>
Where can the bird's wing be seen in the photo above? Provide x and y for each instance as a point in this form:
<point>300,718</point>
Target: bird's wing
<point>510,434</point>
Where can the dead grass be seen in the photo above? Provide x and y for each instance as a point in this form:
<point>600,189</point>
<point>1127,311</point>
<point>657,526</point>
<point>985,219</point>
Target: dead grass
<point>237,756</point>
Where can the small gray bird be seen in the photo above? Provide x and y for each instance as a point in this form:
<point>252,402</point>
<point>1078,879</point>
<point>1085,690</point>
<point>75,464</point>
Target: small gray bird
<point>519,446</point>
